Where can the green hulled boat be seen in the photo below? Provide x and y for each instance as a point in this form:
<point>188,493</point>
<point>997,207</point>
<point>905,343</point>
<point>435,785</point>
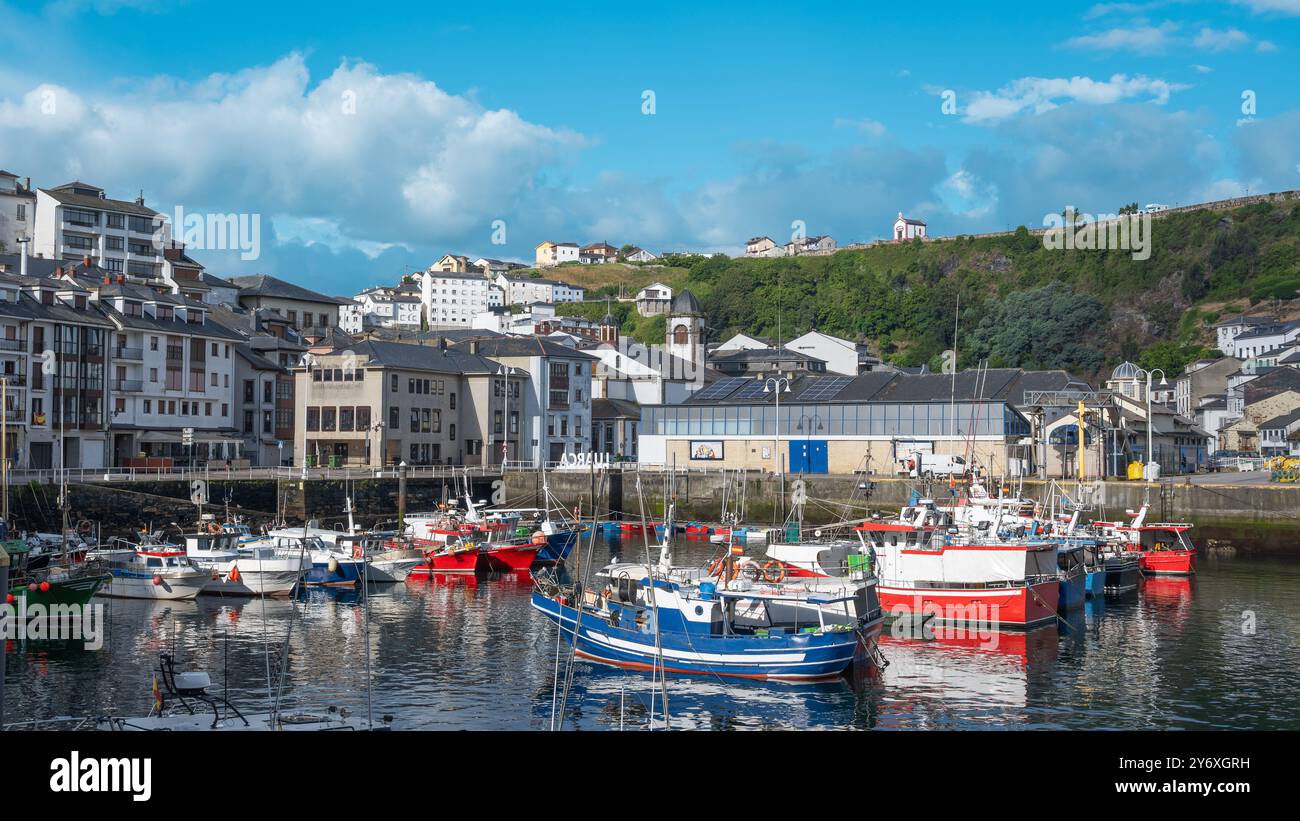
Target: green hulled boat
<point>54,584</point>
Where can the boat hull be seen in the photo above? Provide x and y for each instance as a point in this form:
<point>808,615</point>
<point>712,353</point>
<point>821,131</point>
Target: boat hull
<point>387,571</point>
<point>133,585</point>
<point>785,657</point>
<point>511,558</point>
<point>1073,589</point>
<point>1095,583</point>
<point>344,573</point>
<point>1013,607</point>
<point>558,546</point>
<point>465,562</point>
<point>70,592</point>
<point>1169,562</point>
<point>1122,574</point>
<point>251,581</point>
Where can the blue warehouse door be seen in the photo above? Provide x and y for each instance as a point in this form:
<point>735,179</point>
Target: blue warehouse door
<point>808,456</point>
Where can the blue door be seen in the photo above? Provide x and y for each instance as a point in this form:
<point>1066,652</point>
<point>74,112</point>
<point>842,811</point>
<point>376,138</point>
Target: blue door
<point>808,456</point>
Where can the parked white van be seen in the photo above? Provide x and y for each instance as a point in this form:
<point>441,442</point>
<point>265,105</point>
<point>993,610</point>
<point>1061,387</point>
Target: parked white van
<point>926,465</point>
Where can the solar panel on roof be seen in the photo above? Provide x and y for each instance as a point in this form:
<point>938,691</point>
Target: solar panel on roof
<point>825,389</point>
<point>721,389</point>
<point>752,391</point>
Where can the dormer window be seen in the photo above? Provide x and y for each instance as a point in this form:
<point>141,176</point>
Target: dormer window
<point>130,308</point>
<point>194,317</point>
<point>165,312</point>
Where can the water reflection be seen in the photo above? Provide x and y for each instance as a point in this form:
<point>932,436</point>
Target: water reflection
<point>460,651</point>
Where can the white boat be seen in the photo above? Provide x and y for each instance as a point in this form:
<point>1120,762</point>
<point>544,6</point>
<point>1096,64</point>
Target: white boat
<point>151,571</point>
<point>249,570</point>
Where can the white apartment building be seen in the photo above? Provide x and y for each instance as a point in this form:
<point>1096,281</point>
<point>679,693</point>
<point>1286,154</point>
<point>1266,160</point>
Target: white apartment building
<point>170,368</point>
<point>452,300</point>
<point>76,220</point>
<point>382,308</point>
<point>527,290</point>
<point>17,210</point>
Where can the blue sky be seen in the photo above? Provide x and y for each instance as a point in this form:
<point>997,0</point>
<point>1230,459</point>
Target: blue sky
<point>374,138</point>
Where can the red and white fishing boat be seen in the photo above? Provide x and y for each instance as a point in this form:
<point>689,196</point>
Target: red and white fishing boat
<point>466,558</point>
<point>928,566</point>
<point>512,556</point>
<point>1164,548</point>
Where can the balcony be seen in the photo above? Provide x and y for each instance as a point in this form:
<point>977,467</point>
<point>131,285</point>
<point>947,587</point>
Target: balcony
<point>14,380</point>
<point>128,385</point>
<point>18,345</point>
<point>135,354</point>
<point>175,353</point>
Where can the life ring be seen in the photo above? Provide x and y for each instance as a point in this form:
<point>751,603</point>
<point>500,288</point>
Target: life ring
<point>214,528</point>
<point>774,568</point>
<point>715,569</point>
<point>750,570</point>
<point>84,526</point>
<point>539,538</point>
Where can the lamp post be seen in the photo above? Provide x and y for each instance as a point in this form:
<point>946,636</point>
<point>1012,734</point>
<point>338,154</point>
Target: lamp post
<point>773,383</point>
<point>1150,425</point>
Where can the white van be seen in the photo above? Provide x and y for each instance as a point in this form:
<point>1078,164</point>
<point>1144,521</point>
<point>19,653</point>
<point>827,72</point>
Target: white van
<point>927,465</point>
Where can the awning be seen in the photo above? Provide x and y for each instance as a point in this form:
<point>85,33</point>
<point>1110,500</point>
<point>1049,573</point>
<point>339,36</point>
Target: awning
<point>158,436</point>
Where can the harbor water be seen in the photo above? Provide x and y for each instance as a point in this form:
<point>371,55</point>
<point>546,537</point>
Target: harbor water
<point>1218,651</point>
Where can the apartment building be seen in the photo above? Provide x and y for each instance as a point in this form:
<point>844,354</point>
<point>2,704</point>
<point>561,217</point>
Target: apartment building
<point>383,307</point>
<point>451,300</point>
<point>78,219</point>
<point>527,290</point>
<point>382,403</point>
<point>556,396</point>
<point>308,312</point>
<point>170,368</point>
<point>17,209</point>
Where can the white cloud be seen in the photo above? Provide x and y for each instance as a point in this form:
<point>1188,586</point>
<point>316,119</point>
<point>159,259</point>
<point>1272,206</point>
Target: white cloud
<point>1142,39</point>
<point>1039,94</point>
<point>384,157</point>
<point>1287,7</point>
<point>865,124</point>
<point>1220,40</point>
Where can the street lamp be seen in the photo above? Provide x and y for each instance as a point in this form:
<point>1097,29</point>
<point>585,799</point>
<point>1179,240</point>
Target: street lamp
<point>1150,425</point>
<point>773,383</point>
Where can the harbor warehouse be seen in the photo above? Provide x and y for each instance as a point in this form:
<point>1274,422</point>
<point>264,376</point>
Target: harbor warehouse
<point>839,424</point>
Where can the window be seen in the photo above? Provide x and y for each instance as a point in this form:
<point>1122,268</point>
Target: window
<point>363,417</point>
<point>207,408</point>
<point>268,392</point>
<point>249,391</point>
<point>153,343</point>
<point>346,416</point>
<point>327,418</point>
<point>225,409</point>
<point>452,400</point>
<point>394,382</point>
<point>451,431</point>
<point>153,374</point>
<point>415,420</point>
<point>214,350</point>
<point>394,418</point>
<point>213,381</point>
<point>313,418</point>
<point>248,422</point>
<point>148,405</point>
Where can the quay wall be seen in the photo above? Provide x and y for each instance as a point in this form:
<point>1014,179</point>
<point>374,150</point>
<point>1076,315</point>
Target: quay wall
<point>1269,514</point>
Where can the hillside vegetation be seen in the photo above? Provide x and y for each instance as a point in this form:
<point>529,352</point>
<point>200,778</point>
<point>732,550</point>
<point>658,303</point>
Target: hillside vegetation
<point>1021,304</point>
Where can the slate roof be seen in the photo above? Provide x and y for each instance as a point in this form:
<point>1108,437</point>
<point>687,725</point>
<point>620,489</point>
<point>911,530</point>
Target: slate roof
<point>276,288</point>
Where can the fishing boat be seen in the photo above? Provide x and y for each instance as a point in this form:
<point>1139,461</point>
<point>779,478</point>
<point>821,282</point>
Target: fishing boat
<point>238,568</point>
<point>1162,549</point>
<point>56,580</point>
<point>926,565</point>
<point>692,630</point>
<point>330,566</point>
<point>463,558</point>
<point>150,570</point>
<point>1072,576</point>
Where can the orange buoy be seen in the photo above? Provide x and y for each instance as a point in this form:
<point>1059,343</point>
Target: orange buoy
<point>157,580</point>
<point>10,598</point>
<point>233,575</point>
<point>45,587</point>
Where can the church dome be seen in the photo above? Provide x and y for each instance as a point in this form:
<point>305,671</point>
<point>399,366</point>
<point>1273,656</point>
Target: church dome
<point>685,303</point>
<point>1126,370</point>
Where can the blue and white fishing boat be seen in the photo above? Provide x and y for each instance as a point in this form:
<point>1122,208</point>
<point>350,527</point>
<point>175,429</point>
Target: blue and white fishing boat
<point>1072,575</point>
<point>330,565</point>
<point>683,621</point>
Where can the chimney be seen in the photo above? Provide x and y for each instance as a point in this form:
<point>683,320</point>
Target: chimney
<point>140,199</point>
<point>121,279</point>
<point>473,346</point>
<point>22,265</point>
<point>87,261</point>
<point>108,280</point>
<point>27,183</point>
<point>442,343</point>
